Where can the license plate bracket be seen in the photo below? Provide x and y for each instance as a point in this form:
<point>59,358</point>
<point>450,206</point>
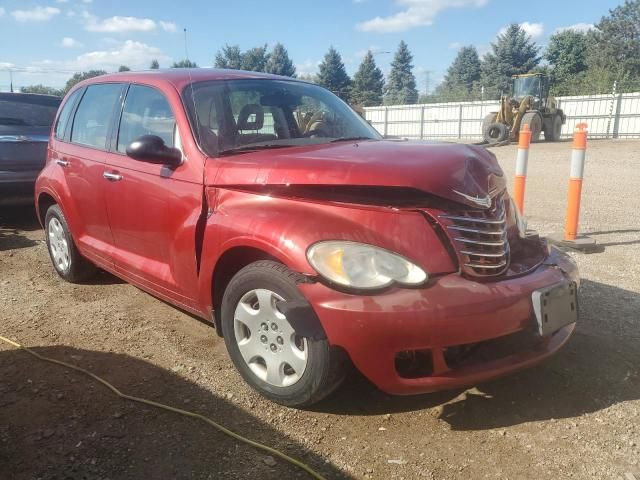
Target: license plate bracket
<point>555,306</point>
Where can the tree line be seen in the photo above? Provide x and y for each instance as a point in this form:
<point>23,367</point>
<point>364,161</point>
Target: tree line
<point>578,62</point>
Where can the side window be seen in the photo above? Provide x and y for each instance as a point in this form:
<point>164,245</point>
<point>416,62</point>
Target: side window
<point>94,114</point>
<point>146,112</point>
<point>63,118</point>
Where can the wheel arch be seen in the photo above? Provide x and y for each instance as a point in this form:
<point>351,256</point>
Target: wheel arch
<point>43,202</point>
<point>230,262</point>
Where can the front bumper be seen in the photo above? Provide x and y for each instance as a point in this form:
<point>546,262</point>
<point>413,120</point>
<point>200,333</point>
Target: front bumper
<point>452,311</point>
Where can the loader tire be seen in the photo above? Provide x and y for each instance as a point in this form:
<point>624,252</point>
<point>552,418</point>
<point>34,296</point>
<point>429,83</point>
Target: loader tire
<point>496,133</point>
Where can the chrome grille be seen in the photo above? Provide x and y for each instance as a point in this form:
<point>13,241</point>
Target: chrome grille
<point>480,238</point>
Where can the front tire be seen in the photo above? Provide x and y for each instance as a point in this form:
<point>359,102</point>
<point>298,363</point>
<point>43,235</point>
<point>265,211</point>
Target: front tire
<point>271,357</point>
<point>534,120</point>
<point>65,257</point>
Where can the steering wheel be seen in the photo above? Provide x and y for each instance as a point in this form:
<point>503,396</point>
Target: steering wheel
<point>316,132</point>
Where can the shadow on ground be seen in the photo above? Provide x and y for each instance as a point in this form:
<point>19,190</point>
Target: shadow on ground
<point>14,220</point>
<point>599,367</point>
<point>58,423</point>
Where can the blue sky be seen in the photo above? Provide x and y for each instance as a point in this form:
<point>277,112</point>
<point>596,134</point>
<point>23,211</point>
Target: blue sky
<point>45,41</point>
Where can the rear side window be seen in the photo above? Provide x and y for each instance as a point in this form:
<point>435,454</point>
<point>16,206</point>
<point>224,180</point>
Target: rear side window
<point>24,110</point>
<point>94,115</point>
<point>146,112</point>
<point>63,118</point>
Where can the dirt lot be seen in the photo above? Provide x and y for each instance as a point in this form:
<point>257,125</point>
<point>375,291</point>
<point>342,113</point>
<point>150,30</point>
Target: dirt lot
<point>576,416</point>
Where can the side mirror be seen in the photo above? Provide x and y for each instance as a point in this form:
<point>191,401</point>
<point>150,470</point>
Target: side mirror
<point>152,149</point>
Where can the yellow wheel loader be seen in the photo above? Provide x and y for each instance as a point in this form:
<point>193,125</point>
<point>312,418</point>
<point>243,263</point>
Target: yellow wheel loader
<point>530,104</point>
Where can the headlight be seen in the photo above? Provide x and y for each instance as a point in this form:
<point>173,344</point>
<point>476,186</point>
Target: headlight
<point>362,266</point>
<point>521,222</point>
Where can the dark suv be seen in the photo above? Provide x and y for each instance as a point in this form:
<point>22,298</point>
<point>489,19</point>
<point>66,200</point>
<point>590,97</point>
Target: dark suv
<point>25,122</point>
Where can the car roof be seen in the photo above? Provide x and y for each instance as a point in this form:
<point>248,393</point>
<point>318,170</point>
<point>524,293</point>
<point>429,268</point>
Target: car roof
<point>180,77</point>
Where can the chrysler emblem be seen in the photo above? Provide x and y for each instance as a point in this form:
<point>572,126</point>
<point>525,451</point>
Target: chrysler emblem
<point>484,202</point>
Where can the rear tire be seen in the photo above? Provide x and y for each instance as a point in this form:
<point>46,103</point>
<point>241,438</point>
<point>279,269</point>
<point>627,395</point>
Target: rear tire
<point>534,120</point>
<point>65,257</point>
<point>284,367</point>
<point>554,130</point>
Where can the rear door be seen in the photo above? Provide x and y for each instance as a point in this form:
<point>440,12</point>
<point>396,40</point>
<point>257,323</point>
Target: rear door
<point>81,156</point>
<point>153,209</point>
<point>25,123</point>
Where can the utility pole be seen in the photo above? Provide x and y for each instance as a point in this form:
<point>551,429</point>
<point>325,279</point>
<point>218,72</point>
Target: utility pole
<point>11,80</point>
<point>427,81</point>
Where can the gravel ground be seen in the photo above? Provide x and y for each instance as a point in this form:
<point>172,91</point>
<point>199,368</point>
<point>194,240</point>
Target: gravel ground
<point>575,416</point>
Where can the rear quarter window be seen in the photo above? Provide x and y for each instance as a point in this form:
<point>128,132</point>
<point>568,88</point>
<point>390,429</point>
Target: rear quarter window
<point>65,113</point>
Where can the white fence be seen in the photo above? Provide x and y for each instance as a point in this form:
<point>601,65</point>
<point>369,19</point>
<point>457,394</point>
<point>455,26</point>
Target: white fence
<point>608,116</point>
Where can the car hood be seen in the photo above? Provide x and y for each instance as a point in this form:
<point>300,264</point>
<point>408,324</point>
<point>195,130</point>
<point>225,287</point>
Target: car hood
<point>462,173</point>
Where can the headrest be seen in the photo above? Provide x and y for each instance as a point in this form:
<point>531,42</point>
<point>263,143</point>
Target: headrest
<point>246,113</point>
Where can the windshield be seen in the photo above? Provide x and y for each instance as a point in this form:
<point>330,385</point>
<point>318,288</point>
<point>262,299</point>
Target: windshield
<point>243,115</point>
<point>525,86</point>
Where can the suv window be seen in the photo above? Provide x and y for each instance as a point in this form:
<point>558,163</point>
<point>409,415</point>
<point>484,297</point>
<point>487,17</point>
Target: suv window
<point>63,118</point>
<point>146,112</point>
<point>24,110</point>
<point>94,114</point>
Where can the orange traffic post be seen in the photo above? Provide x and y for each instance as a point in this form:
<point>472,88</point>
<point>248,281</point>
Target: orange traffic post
<point>522,161</point>
<point>570,237</point>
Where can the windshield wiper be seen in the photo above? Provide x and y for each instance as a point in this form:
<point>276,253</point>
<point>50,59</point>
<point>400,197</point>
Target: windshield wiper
<point>252,148</point>
<point>350,139</point>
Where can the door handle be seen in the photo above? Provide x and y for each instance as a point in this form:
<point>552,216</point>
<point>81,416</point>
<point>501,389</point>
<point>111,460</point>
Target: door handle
<point>63,162</point>
<point>112,177</point>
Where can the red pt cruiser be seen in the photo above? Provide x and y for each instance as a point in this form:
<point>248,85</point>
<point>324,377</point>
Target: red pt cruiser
<point>268,207</point>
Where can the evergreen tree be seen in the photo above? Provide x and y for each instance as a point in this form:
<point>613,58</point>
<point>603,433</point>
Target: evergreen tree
<point>368,83</point>
<point>464,72</point>
<point>154,64</point>
<point>186,63</point>
<point>401,83</point>
<point>279,62</point>
<point>255,59</point>
<point>229,57</point>
<point>567,56</point>
<point>124,68</point>
<point>616,42</point>
<point>513,52</point>
<point>79,76</point>
<point>333,76</point>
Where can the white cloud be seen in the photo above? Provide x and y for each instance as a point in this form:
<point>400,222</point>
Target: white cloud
<point>168,26</point>
<point>577,27</point>
<point>416,13</point>
<point>62,1</point>
<point>118,24</point>
<point>535,30</point>
<point>308,67</point>
<point>455,45</point>
<point>69,42</point>
<point>6,65</point>
<point>136,55</point>
<point>87,1</point>
<point>2,10</point>
<point>36,14</point>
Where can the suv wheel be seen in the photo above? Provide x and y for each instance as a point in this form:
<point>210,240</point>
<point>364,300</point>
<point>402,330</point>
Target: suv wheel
<point>280,364</point>
<point>65,257</point>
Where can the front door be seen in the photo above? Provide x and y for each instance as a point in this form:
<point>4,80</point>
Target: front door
<point>153,209</point>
